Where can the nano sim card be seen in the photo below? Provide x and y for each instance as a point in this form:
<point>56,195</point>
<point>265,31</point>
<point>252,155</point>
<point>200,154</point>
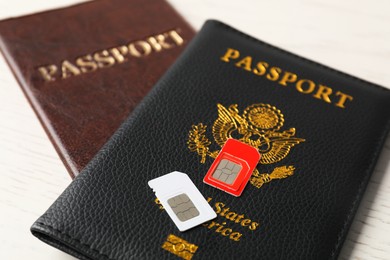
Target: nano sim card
<point>233,167</point>
<point>182,200</point>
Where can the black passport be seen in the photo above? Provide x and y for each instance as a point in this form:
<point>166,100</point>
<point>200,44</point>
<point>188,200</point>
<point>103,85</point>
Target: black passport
<point>319,132</point>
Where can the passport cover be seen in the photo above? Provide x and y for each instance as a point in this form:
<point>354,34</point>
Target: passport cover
<point>84,68</point>
<point>319,132</point>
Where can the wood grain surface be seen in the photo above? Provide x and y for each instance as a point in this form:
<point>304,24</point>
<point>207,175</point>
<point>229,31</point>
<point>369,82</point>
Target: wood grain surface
<point>352,36</point>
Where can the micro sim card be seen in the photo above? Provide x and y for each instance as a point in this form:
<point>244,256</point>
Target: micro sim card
<point>182,200</point>
<point>233,167</point>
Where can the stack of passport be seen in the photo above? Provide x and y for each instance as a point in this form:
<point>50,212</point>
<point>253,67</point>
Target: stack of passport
<point>319,132</point>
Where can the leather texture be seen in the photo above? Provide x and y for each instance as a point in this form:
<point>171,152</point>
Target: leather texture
<point>80,113</point>
<point>109,212</point>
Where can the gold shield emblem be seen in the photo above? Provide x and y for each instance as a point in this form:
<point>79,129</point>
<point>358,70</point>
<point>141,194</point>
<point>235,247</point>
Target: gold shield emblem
<point>259,126</point>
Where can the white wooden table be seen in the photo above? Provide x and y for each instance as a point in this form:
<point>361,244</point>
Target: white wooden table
<point>350,35</point>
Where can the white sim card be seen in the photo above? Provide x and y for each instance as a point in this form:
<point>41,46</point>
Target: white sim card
<point>182,200</point>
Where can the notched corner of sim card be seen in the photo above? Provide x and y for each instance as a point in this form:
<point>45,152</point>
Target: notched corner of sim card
<point>152,185</point>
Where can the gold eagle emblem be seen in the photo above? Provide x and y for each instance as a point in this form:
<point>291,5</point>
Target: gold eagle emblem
<point>259,126</point>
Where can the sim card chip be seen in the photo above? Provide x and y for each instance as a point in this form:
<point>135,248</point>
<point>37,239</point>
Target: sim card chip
<point>183,207</point>
<point>227,171</point>
<point>182,200</point>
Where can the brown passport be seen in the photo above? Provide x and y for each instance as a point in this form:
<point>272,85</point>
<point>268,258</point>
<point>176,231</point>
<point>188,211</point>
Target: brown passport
<point>84,68</point>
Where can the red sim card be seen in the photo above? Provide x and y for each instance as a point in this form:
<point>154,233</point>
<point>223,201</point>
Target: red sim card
<point>233,167</point>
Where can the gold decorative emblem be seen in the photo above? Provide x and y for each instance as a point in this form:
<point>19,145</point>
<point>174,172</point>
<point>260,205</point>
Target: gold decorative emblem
<point>179,247</point>
<point>259,126</point>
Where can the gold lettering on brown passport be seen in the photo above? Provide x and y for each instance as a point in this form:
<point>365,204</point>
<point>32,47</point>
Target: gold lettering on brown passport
<point>47,72</point>
<point>119,52</point>
<point>139,49</point>
<point>109,57</point>
<point>86,63</point>
<point>286,78</point>
<point>68,69</point>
